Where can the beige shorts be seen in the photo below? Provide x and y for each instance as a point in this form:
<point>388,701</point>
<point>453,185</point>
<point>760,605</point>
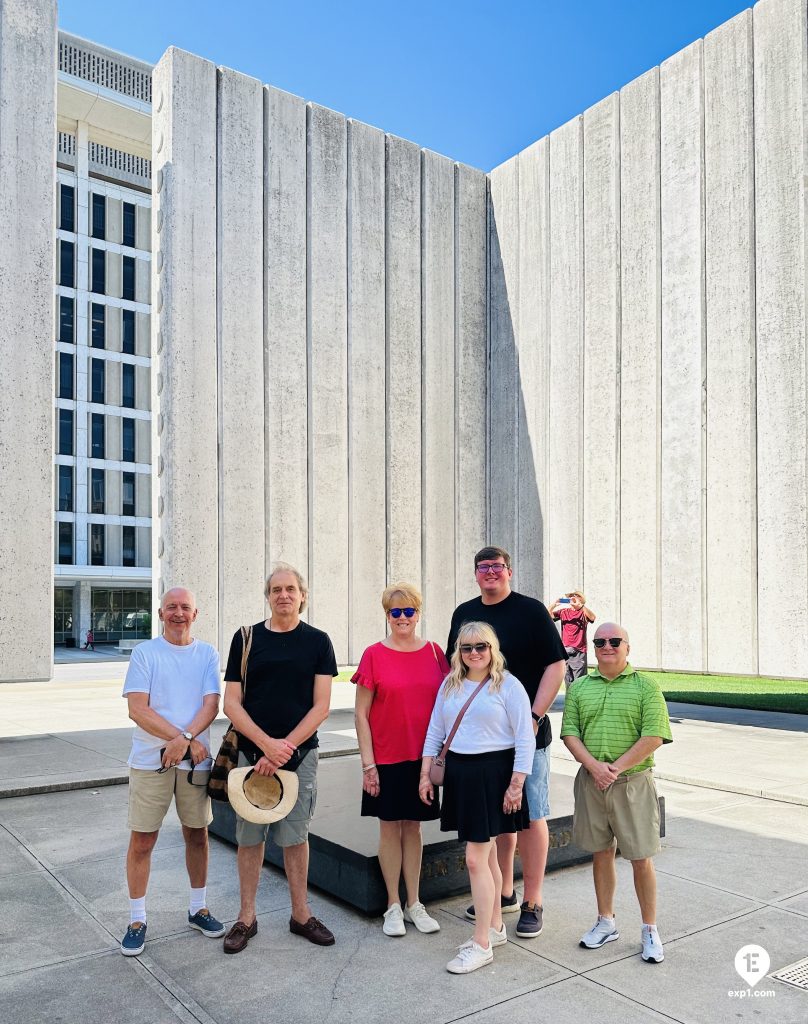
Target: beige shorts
<point>294,828</point>
<point>628,811</point>
<point>150,796</point>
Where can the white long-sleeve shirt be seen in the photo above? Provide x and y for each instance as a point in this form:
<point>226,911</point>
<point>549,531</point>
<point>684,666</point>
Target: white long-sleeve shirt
<point>494,721</point>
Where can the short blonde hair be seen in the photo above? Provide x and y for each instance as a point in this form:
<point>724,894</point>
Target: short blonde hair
<point>403,591</point>
<point>301,581</point>
<point>577,593</point>
<point>466,634</point>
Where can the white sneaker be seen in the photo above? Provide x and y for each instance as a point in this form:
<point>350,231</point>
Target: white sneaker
<point>652,951</point>
<point>498,938</point>
<point>417,915</point>
<point>394,921</point>
<point>605,930</point>
<point>469,958</point>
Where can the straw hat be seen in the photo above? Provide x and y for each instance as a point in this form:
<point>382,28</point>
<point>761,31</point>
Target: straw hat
<point>261,798</point>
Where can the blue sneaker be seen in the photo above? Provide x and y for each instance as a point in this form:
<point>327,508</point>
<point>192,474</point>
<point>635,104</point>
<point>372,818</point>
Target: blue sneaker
<point>206,923</point>
<point>135,939</point>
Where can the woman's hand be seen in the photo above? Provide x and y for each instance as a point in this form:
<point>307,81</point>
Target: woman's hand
<point>370,781</point>
<point>426,790</point>
<point>513,798</point>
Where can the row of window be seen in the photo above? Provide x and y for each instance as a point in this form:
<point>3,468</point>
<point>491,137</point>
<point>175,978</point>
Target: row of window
<point>98,325</point>
<point>97,436</point>
<point>98,270</point>
<point>97,544</point>
<point>98,492</point>
<point>98,367</point>
<point>98,218</point>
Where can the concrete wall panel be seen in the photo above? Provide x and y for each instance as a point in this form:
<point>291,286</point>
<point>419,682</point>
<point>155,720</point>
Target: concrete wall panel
<point>438,390</point>
<point>532,330</point>
<point>471,374</point>
<point>285,365</point>
<point>601,426</point>
<point>780,84</point>
<point>366,376</point>
<point>683,340</point>
<point>27,259</point>
<point>240,244</point>
<point>184,126</point>
<point>565,375</point>
<point>640,340</point>
<point>327,345</point>
<point>731,551</point>
<point>403,297</point>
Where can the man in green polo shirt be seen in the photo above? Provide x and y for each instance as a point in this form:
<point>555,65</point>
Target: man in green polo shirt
<point>614,719</point>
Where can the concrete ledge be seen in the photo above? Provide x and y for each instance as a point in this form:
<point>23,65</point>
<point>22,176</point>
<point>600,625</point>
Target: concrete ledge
<point>61,783</point>
<point>128,645</point>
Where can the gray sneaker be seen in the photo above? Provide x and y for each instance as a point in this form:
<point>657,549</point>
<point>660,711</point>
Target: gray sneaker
<point>652,951</point>
<point>604,930</point>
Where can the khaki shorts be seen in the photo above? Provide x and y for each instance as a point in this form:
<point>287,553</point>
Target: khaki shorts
<point>294,828</point>
<point>150,796</point>
<point>627,811</point>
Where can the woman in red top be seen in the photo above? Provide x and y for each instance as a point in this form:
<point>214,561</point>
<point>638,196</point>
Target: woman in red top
<point>398,679</point>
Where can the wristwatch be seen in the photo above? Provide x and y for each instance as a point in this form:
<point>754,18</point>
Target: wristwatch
<point>538,719</point>
<point>188,736</point>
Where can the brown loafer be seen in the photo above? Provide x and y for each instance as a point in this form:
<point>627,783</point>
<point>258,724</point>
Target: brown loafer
<point>313,930</point>
<point>239,935</point>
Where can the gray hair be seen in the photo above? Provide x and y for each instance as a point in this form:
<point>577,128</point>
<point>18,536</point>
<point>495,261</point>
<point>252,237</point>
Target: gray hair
<point>301,581</point>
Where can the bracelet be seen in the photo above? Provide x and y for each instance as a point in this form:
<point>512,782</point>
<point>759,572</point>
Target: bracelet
<point>368,768</point>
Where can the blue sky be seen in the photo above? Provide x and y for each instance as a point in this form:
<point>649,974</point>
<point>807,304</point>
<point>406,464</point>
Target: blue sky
<point>475,81</point>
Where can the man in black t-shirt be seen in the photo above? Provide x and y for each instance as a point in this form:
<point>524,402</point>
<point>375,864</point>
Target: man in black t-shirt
<point>286,696</point>
<point>535,655</point>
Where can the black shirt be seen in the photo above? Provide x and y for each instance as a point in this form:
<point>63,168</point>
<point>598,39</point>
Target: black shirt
<point>527,637</point>
<point>279,690</point>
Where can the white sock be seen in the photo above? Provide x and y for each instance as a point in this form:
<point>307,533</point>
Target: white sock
<point>199,899</point>
<point>137,910</point>
<point>605,917</point>
<point>651,927</point>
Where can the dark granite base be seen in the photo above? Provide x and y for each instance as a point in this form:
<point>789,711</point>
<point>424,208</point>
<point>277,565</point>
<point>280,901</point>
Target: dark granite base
<point>344,845</point>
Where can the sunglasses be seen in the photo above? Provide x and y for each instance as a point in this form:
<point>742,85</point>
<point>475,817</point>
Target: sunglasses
<point>398,612</point>
<point>497,568</point>
<point>202,779</point>
<point>480,648</point>
<point>601,641</point>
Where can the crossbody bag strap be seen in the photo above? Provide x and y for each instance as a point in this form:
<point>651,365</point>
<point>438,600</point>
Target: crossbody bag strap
<point>246,644</point>
<point>445,748</point>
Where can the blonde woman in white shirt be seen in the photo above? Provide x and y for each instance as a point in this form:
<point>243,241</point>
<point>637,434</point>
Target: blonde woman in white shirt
<point>488,760</point>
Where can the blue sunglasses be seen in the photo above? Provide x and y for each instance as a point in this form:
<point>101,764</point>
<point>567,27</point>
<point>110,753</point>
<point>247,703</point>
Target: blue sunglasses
<point>398,612</point>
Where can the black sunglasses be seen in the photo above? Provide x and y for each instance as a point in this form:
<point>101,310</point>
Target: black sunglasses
<point>189,775</point>
<point>406,612</point>
<point>479,648</point>
<point>601,641</point>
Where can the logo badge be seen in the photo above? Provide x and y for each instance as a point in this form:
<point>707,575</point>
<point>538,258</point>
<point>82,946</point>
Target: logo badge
<point>752,963</point>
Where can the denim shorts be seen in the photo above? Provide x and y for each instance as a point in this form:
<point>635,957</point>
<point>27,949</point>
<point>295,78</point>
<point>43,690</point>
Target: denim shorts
<point>537,786</point>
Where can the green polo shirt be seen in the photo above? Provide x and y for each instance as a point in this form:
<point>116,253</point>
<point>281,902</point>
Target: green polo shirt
<point>610,715</point>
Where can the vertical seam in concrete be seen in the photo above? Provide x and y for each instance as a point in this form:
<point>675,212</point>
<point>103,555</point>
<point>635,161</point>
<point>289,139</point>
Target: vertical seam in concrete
<point>752,364</point>
<point>219,374</point>
<point>455,350</point>
<point>422,306</point>
<point>658,582</point>
<point>309,438</point>
<point>515,309</point>
<point>703,311</point>
<point>348,327</point>
<point>265,324</point>
<point>618,358</point>
<point>489,360</point>
<point>582,344</point>
<point>546,366</point>
<point>386,363</point>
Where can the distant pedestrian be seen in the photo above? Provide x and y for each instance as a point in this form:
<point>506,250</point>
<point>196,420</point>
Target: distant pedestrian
<point>574,616</point>
<point>614,720</point>
<point>90,641</point>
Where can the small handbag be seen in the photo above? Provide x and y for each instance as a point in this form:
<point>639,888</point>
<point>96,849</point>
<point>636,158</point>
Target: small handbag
<point>227,758</point>
<point>437,770</point>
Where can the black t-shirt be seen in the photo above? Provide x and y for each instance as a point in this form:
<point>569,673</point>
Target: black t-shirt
<point>527,637</point>
<point>279,689</point>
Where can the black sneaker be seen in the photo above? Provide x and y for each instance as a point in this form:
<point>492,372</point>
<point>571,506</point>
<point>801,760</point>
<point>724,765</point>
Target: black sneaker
<point>530,922</point>
<point>508,905</point>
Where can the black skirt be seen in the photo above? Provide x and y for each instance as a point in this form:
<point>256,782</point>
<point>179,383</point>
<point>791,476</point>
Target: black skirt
<point>398,798</point>
<point>473,792</point>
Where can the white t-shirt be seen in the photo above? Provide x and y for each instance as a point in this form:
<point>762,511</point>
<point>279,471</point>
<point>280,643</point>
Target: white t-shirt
<point>176,678</point>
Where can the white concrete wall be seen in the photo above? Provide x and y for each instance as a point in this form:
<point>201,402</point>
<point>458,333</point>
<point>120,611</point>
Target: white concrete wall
<point>674,360</point>
<point>27,261</point>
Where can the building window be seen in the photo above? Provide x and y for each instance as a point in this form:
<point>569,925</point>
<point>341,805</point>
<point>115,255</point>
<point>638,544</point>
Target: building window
<point>62,614</point>
<point>66,319</point>
<point>121,614</point>
<point>67,208</point>
<point>128,331</point>
<point>127,440</point>
<point>67,270</point>
<point>99,216</point>
<point>97,490</point>
<point>98,325</point>
<point>96,544</point>
<point>129,278</point>
<point>65,375</point>
<point>65,431</point>
<point>99,272</point>
<point>127,385</point>
<point>128,494</point>
<point>65,544</point>
<point>65,488</point>
<point>128,545</point>
<point>97,375</point>
<point>129,224</point>
<point>97,435</point>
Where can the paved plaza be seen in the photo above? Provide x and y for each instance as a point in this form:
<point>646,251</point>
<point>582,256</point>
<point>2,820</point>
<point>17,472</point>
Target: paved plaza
<point>732,872</point>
